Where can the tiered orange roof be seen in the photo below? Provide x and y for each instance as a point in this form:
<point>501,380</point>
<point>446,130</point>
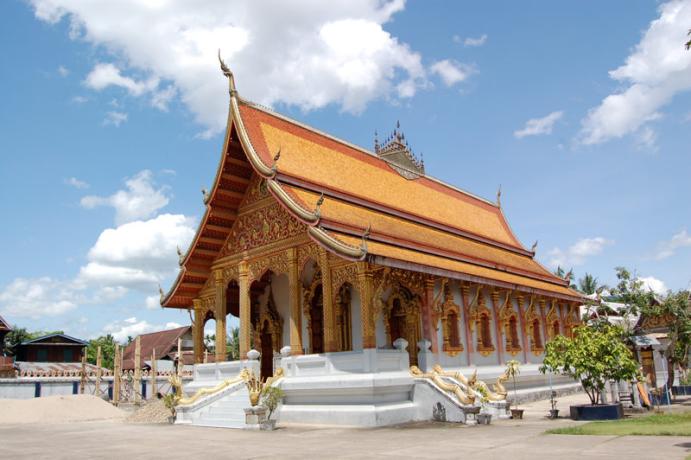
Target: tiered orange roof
<point>360,206</point>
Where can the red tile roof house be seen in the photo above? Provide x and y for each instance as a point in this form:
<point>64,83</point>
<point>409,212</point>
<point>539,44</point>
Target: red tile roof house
<point>166,345</point>
<point>6,362</point>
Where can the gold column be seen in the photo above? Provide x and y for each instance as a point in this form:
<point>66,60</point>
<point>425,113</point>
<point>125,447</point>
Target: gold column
<point>198,331</point>
<point>521,319</point>
<point>327,292</point>
<point>220,314</point>
<point>294,296</point>
<point>365,280</point>
<point>497,326</point>
<point>245,326</point>
<point>429,328</point>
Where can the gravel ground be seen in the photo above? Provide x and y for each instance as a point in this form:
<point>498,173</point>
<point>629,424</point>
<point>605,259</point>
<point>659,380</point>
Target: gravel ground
<point>152,412</point>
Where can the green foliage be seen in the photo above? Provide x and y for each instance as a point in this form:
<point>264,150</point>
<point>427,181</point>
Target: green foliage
<point>564,274</point>
<point>675,307</point>
<point>107,344</point>
<point>629,290</point>
<point>233,344</point>
<point>271,397</point>
<point>588,284</point>
<point>651,425</point>
<point>512,370</point>
<point>170,400</point>
<point>593,356</point>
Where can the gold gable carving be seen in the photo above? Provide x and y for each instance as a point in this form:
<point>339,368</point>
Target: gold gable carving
<point>261,227</point>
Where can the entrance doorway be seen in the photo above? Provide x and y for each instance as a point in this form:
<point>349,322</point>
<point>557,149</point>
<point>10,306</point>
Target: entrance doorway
<point>317,321</point>
<point>267,351</point>
<point>404,322</point>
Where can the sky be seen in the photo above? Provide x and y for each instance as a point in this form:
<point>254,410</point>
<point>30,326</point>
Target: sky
<point>113,113</point>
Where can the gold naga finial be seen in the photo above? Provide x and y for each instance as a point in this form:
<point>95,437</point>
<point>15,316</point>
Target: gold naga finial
<point>226,71</point>
<point>534,246</point>
<point>320,201</point>
<point>499,196</point>
<point>365,237</point>
<point>277,156</point>
<point>161,293</point>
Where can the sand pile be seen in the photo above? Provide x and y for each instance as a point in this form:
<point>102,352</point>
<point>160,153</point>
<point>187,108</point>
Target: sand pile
<point>58,409</point>
<point>152,412</point>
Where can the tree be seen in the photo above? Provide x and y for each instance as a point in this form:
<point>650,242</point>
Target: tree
<point>675,310</point>
<point>565,275</point>
<point>593,356</point>
<point>233,344</point>
<point>629,290</point>
<point>107,344</point>
<point>588,284</point>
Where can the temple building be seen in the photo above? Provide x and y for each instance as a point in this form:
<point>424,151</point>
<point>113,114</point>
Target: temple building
<point>328,253</point>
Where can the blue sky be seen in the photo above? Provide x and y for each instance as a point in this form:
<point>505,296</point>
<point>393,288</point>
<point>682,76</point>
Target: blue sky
<point>112,116</point>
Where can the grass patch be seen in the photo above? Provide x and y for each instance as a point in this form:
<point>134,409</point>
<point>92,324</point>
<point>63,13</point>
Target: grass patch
<point>651,425</point>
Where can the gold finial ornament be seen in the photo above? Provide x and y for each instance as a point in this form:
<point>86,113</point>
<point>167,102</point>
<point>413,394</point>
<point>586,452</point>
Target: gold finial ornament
<point>226,71</point>
<point>365,237</point>
<point>320,201</point>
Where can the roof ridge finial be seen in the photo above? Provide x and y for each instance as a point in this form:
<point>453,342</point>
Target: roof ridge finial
<point>226,71</point>
<point>376,141</point>
<point>499,197</point>
<point>534,247</point>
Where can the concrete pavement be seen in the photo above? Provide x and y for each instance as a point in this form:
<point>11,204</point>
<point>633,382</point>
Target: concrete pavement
<point>503,440</point>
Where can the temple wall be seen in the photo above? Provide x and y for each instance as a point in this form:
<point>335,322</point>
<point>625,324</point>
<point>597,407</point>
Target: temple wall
<point>380,332</point>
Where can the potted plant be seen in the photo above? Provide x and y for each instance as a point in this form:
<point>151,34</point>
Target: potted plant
<point>512,370</point>
<point>553,412</point>
<point>593,356</point>
<point>170,400</point>
<point>271,398</point>
<point>483,418</point>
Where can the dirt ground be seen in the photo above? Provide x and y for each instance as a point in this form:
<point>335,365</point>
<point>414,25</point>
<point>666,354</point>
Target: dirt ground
<point>504,439</point>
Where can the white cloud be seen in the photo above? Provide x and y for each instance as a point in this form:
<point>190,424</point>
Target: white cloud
<point>653,284</point>
<point>472,42</point>
<point>309,54</point>
<point>657,70</point>
<point>577,253</point>
<point>80,99</point>
<point>36,298</point>
<point>140,200</point>
<point>138,254</point>
<point>153,302</point>
<point>76,183</point>
<point>63,71</point>
<point>451,72</point>
<point>538,126</point>
<point>105,75</point>
<point>114,118</point>
<point>668,248</point>
<point>162,98</point>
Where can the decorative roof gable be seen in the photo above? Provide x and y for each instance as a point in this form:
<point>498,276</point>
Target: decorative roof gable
<point>396,152</point>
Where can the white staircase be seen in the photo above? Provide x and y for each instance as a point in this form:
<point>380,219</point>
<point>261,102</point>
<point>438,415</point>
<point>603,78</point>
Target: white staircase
<point>227,412</point>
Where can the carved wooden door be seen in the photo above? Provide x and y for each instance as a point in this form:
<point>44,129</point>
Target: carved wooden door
<point>317,322</point>
<point>267,358</point>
